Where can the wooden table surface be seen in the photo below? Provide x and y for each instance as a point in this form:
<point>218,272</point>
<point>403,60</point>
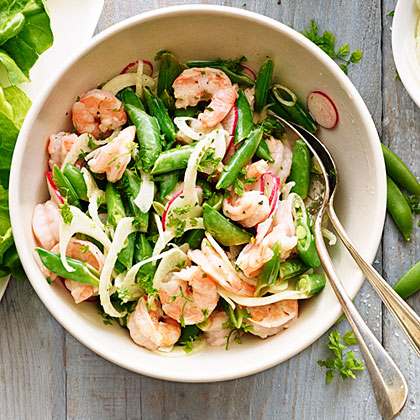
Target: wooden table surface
<point>46,374</point>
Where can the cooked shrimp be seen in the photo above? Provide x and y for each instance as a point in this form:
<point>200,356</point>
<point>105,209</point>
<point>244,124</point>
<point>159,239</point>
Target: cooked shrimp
<point>219,270</point>
<point>59,145</point>
<point>83,251</point>
<point>279,228</point>
<point>202,84</point>
<point>45,224</point>
<point>149,329</point>
<point>189,295</point>
<point>282,156</point>
<point>216,334</point>
<point>256,169</point>
<point>98,113</point>
<point>114,157</point>
<point>249,210</point>
<point>270,319</point>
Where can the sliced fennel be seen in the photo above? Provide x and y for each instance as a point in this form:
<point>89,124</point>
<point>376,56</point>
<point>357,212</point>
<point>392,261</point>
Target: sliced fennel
<point>144,199</point>
<point>81,145</point>
<point>94,195</point>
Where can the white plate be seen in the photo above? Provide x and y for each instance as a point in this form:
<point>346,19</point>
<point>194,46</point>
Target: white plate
<point>300,65</point>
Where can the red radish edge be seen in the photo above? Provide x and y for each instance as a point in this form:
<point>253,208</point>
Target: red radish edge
<point>53,187</point>
<point>275,192</point>
<point>147,63</point>
<point>170,203</point>
<point>322,109</point>
<point>249,70</point>
<point>230,122</point>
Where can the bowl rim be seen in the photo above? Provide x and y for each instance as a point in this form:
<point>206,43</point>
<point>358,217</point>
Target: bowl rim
<point>409,79</point>
<point>27,255</point>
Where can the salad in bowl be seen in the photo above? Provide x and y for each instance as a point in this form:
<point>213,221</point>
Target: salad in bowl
<point>179,204</point>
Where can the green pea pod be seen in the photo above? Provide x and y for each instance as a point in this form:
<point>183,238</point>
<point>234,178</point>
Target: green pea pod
<point>157,109</point>
<point>399,172</point>
<point>234,316</point>
<point>262,85</point>
<point>269,272</point>
<point>399,209</point>
<point>287,100</point>
<point>143,251</point>
<point>245,119</point>
<point>193,238</point>
<point>240,79</point>
<point>168,100</point>
<point>129,97</point>
<point>190,111</point>
<point>125,256</point>
<point>148,135</point>
<point>263,152</point>
<point>206,187</point>
<point>215,201</point>
<point>114,204</point>
<point>311,284</point>
<point>276,107</point>
<point>409,283</point>
<point>173,159</point>
<point>83,272</point>
<point>75,176</point>
<point>64,186</point>
<point>11,27</point>
<point>301,165</point>
<point>130,185</point>
<point>303,227</point>
<point>224,231</point>
<point>167,183</point>
<point>240,159</point>
<point>168,72</point>
<point>292,268</point>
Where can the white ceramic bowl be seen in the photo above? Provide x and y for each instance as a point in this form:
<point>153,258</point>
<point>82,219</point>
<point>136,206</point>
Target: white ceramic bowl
<point>206,32</point>
<point>403,46</point>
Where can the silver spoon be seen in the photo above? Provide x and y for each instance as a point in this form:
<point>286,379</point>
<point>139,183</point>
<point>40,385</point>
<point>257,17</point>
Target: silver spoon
<point>389,385</point>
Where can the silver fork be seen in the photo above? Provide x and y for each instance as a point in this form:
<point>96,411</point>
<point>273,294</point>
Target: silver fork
<point>388,383</point>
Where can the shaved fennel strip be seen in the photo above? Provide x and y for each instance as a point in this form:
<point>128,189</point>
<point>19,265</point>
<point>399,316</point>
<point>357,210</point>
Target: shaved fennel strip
<point>80,223</point>
<point>267,300</point>
<point>219,250</point>
<point>139,78</point>
<point>81,145</point>
<point>134,290</point>
<point>222,293</point>
<point>124,228</point>
<point>178,351</point>
<point>120,82</point>
<point>93,193</point>
<point>184,128</point>
<point>167,265</point>
<point>144,199</point>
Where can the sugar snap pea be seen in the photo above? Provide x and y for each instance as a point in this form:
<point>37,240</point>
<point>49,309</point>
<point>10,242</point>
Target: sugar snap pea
<point>245,122</point>
<point>240,79</point>
<point>399,172</point>
<point>399,209</point>
<point>158,110</point>
<point>240,159</point>
<point>83,272</point>
<point>125,256</point>
<point>301,165</point>
<point>263,152</point>
<point>193,238</point>
<point>114,204</point>
<point>310,284</point>
<point>287,100</point>
<point>409,283</point>
<point>262,85</point>
<point>189,111</point>
<point>168,72</point>
<point>75,176</point>
<point>173,159</point>
<point>269,272</point>
<point>303,227</point>
<point>223,230</point>
<point>129,97</point>
<point>64,186</point>
<point>215,201</point>
<point>144,250</point>
<point>167,183</point>
<point>292,268</point>
<point>148,135</point>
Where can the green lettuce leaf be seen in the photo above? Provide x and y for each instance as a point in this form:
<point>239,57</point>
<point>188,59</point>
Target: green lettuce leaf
<point>19,102</point>
<point>25,33</point>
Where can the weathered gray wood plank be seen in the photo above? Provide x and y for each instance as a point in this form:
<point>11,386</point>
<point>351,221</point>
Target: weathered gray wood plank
<point>401,127</point>
<point>32,360</point>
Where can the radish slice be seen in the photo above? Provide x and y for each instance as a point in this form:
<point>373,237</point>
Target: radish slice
<point>53,190</point>
<point>132,67</point>
<point>273,187</point>
<point>322,109</point>
<point>230,122</point>
<point>249,71</point>
<point>170,203</point>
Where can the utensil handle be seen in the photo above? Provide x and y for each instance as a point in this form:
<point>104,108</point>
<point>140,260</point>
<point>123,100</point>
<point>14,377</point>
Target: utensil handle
<point>406,318</point>
<point>389,385</point>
